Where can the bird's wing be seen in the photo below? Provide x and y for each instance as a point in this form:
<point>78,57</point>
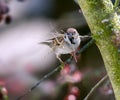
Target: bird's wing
<point>55,41</point>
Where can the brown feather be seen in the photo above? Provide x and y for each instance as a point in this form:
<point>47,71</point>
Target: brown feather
<point>58,41</point>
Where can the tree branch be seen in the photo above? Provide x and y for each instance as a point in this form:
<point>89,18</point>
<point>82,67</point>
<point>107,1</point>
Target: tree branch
<point>104,24</point>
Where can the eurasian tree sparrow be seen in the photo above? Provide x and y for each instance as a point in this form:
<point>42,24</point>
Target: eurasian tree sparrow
<point>65,43</point>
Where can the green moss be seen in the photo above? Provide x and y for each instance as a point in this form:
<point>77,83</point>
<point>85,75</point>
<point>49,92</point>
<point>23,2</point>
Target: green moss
<point>104,23</point>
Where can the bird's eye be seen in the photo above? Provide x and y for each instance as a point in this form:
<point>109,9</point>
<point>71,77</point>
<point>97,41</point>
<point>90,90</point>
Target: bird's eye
<point>73,32</point>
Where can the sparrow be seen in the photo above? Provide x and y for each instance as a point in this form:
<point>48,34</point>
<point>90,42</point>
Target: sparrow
<point>66,43</point>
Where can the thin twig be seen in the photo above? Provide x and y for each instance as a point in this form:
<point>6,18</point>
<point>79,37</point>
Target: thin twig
<point>41,80</point>
<point>55,70</point>
<point>95,87</point>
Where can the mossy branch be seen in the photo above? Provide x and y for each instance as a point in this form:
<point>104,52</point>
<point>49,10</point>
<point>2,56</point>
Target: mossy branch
<point>105,26</point>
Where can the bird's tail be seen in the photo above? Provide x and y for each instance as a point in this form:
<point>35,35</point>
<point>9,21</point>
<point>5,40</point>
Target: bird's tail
<point>48,43</point>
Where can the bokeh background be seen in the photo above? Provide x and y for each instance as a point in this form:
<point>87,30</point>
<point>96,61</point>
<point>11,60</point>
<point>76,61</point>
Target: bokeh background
<point>23,61</point>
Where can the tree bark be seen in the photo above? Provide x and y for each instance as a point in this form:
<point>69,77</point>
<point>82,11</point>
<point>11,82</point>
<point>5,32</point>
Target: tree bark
<point>105,27</point>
